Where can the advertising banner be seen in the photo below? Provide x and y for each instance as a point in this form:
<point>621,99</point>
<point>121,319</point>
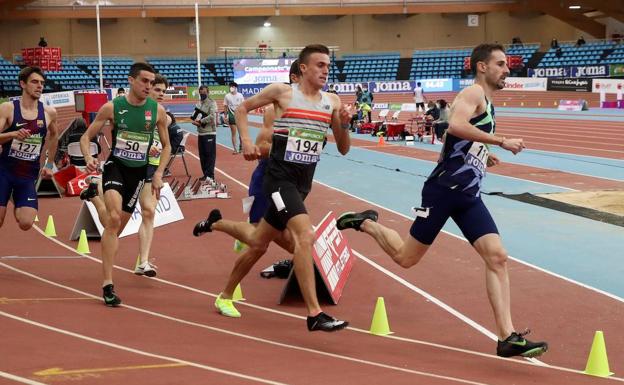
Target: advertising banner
<point>609,86</point>
<point>616,70</point>
<point>589,71</point>
<point>569,84</point>
<point>525,84</point>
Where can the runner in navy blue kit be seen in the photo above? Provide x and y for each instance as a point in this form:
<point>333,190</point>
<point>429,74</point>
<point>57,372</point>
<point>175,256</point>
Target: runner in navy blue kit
<point>26,127</point>
<point>453,190</point>
<point>304,114</point>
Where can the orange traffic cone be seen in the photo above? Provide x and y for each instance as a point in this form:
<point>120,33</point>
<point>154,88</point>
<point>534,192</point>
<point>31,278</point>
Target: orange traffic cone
<point>382,141</point>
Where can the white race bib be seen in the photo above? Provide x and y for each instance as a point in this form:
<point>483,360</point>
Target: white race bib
<point>131,145</point>
<point>304,145</point>
<point>27,149</point>
<point>477,156</point>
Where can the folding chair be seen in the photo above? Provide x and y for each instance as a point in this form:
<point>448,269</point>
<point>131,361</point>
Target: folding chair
<point>180,151</point>
<point>75,154</point>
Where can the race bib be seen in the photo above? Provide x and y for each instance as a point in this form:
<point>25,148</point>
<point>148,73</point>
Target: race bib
<point>27,149</point>
<point>477,156</point>
<point>131,145</point>
<point>157,145</point>
<point>304,146</point>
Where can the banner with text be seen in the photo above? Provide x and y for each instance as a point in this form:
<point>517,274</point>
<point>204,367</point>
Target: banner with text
<point>569,84</point>
<point>525,84</point>
<point>569,71</point>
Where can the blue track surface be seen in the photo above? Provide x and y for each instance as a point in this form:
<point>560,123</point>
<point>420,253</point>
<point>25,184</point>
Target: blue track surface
<point>574,247</point>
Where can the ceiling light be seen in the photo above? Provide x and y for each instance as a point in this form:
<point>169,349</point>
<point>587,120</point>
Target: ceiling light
<point>574,7</point>
<point>267,23</point>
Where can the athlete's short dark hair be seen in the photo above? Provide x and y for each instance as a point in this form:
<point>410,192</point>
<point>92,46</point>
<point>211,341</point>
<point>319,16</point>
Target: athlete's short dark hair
<point>121,89</point>
<point>294,70</point>
<point>482,53</point>
<point>137,67</point>
<point>25,73</point>
<point>308,50</point>
<point>160,79</point>
<point>233,84</point>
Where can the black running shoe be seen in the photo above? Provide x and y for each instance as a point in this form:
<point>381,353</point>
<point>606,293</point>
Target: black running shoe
<point>90,192</point>
<point>325,323</point>
<point>204,226</point>
<point>110,297</point>
<point>517,345</point>
<point>351,220</point>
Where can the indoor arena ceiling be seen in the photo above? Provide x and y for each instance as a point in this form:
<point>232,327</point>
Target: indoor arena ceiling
<point>583,18</point>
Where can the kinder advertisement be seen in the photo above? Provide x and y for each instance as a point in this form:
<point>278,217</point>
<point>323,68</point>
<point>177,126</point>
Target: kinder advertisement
<point>525,84</point>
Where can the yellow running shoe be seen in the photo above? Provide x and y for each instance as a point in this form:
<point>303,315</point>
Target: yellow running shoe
<point>226,307</point>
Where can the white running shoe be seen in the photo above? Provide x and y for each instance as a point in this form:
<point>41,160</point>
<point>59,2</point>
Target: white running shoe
<point>146,269</point>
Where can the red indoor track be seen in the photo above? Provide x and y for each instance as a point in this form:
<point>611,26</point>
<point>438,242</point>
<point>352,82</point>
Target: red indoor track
<point>56,330</point>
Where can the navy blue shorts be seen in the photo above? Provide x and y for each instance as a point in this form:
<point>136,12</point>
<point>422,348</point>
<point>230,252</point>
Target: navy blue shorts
<point>260,203</point>
<point>23,190</point>
<point>439,203</point>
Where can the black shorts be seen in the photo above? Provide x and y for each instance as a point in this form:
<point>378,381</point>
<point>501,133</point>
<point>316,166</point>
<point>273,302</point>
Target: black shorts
<point>127,181</point>
<point>151,169</point>
<point>285,202</point>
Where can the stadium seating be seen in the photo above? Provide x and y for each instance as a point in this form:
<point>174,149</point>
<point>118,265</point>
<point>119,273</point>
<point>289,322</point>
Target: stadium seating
<point>438,63</point>
<point>182,70</point>
<point>115,69</point>
<point>587,54</point>
<point>615,57</point>
<point>358,68</point>
<point>8,76</point>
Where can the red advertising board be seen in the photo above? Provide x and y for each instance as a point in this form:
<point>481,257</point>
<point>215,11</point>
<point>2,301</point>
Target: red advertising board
<point>333,260</point>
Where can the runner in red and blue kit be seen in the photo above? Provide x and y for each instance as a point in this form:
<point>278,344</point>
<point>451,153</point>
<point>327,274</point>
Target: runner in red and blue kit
<point>26,126</point>
<point>453,190</point>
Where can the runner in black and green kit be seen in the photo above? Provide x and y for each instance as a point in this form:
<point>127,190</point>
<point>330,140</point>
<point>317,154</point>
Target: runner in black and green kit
<point>134,119</point>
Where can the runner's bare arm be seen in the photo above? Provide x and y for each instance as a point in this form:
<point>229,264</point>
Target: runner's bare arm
<point>161,124</point>
<point>265,136</point>
<point>104,114</point>
<point>464,108</point>
<point>6,119</point>
<point>341,116</point>
<point>51,141</point>
<point>271,93</point>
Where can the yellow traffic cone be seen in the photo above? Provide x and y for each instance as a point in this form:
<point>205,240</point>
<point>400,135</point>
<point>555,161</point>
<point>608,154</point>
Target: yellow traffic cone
<point>521,104</point>
<point>238,294</point>
<point>50,231</point>
<point>504,104</point>
<point>83,244</point>
<point>239,246</point>
<point>597,362</point>
<point>379,325</point>
<point>539,104</point>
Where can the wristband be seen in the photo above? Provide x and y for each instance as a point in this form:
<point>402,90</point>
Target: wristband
<point>49,165</point>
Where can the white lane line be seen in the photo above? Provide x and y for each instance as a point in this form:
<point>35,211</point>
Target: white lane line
<point>23,380</point>
<point>137,351</point>
<point>214,329</point>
